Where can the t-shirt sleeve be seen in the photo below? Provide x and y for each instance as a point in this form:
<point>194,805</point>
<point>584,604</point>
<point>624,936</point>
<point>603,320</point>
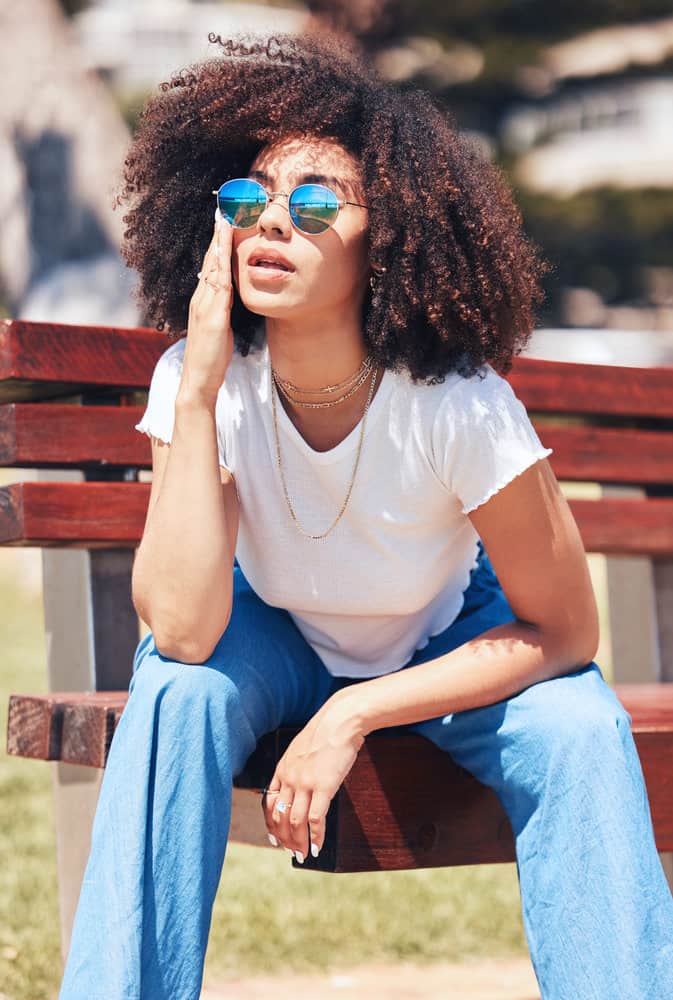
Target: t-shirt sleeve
<point>159,417</point>
<point>483,438</point>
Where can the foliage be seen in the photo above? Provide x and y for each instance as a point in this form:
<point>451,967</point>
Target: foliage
<point>602,238</point>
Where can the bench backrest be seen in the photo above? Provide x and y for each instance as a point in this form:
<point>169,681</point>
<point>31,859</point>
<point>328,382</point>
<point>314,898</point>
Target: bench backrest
<point>606,424</point>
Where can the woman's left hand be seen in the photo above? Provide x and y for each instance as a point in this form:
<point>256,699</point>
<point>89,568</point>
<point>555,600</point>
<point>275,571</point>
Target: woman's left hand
<point>309,774</point>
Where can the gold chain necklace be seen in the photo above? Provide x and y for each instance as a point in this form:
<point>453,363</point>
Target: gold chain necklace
<point>330,402</point>
<point>286,384</point>
<point>280,463</point>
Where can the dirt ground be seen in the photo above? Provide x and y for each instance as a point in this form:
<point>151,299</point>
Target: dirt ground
<point>496,979</point>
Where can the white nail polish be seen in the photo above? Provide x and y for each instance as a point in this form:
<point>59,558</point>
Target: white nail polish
<point>289,851</point>
<point>314,850</point>
<point>299,856</point>
<point>272,839</point>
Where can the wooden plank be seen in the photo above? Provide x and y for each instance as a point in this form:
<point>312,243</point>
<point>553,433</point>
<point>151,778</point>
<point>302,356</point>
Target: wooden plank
<point>35,724</point>
<point>48,359</point>
<point>38,360</point>
<point>626,527</point>
<point>608,454</point>
<point>40,435</point>
<point>573,388</point>
<point>112,515</point>
<point>383,817</point>
<point>80,515</point>
<point>58,435</point>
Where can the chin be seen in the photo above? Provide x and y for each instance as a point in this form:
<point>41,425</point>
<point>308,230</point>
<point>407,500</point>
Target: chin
<point>269,304</point>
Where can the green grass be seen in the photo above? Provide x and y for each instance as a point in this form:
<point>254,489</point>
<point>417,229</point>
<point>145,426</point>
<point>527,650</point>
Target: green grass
<point>264,910</point>
<point>29,937</point>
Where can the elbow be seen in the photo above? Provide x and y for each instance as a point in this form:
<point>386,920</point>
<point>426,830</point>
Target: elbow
<point>193,648</point>
<point>181,652</point>
<point>590,635</point>
<point>581,650</point>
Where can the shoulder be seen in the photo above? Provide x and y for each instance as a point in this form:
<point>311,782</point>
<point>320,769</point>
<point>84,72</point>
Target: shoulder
<point>171,359</point>
<point>457,401</point>
<point>484,396</point>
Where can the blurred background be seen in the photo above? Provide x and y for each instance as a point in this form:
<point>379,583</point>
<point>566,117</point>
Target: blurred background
<point>575,101</point>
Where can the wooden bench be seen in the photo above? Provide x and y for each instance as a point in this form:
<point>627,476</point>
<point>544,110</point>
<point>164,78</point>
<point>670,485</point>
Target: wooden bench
<point>69,399</point>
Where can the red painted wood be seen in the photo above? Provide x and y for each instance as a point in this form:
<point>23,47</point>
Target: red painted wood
<point>91,515</point>
<point>566,387</point>
<point>389,812</point>
<point>40,435</point>
<point>68,355</point>
<point>78,515</point>
<point>624,526</point>
<point>62,358</point>
<point>608,454</point>
<point>37,435</point>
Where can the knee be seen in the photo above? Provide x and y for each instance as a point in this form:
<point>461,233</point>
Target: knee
<point>156,676</point>
<point>574,717</point>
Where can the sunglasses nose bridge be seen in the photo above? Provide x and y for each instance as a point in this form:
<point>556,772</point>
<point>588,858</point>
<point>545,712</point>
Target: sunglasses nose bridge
<point>272,195</point>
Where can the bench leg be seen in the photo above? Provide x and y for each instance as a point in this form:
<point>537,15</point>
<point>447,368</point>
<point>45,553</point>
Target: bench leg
<point>663,586</point>
<point>76,791</point>
<point>92,631</point>
<point>640,600</point>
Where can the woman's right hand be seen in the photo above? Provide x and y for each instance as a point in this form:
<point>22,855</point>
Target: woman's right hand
<point>210,338</point>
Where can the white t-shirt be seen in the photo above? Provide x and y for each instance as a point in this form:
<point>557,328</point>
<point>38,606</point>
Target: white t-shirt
<point>393,570</point>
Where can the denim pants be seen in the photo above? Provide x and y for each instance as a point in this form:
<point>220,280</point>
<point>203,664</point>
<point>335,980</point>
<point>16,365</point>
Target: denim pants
<point>597,910</point>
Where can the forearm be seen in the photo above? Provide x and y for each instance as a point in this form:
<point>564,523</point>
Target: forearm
<point>182,574</point>
<point>495,665</point>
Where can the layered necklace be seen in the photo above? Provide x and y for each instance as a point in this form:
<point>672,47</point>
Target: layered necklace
<point>347,388</point>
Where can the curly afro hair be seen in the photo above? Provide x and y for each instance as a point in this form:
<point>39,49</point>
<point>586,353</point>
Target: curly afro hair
<point>461,278</point>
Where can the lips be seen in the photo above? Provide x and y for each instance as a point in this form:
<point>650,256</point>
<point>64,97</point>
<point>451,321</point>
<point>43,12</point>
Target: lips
<point>269,258</point>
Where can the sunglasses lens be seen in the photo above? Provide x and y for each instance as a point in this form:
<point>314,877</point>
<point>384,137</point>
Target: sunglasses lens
<point>313,208</point>
<point>241,202</point>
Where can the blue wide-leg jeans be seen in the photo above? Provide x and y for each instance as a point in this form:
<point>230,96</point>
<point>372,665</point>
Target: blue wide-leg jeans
<point>597,910</point>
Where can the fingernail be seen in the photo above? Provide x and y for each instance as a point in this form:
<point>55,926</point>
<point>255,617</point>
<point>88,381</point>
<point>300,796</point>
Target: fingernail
<point>315,850</point>
<point>289,851</point>
<point>299,856</point>
<point>272,839</point>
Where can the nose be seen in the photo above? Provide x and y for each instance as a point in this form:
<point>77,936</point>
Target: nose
<point>276,213</point>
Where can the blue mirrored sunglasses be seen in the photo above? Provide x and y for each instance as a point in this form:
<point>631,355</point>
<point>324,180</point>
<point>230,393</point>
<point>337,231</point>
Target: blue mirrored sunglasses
<point>313,208</point>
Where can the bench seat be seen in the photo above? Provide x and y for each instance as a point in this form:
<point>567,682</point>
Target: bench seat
<point>381,818</point>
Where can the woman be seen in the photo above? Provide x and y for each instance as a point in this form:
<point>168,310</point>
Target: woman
<point>335,450</point>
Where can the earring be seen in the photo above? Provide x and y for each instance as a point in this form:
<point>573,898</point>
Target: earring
<point>375,278</point>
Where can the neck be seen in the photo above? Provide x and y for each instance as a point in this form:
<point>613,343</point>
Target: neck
<point>314,356</point>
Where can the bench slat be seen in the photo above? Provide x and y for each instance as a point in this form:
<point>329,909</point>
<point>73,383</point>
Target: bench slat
<point>42,360</point>
<point>569,387</point>
<point>383,817</point>
<point>44,435</point>
<point>112,515</point>
<point>40,435</point>
<point>77,515</point>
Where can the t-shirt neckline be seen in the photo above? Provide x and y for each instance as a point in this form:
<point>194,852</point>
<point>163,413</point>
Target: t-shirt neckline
<point>350,442</point>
